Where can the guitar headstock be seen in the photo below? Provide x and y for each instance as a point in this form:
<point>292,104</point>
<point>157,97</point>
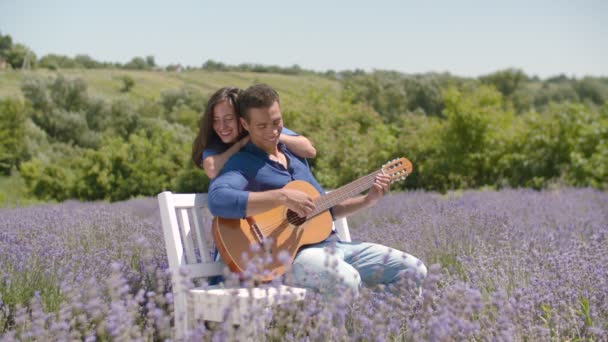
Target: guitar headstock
<point>398,169</point>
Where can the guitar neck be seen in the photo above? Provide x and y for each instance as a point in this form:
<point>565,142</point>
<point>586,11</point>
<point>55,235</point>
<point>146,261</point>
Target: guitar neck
<point>324,202</point>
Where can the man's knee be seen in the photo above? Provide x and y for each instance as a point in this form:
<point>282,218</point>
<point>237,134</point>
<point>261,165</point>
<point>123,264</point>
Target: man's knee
<point>332,276</point>
<point>414,271</point>
<point>328,277</point>
<point>421,270</point>
<point>410,267</point>
<point>351,280</point>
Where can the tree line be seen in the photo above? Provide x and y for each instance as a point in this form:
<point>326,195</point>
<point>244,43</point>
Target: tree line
<point>504,129</point>
<point>501,129</point>
<point>17,55</point>
<point>65,143</point>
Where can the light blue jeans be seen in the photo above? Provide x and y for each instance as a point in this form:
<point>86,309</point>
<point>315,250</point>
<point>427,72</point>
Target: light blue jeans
<point>329,265</point>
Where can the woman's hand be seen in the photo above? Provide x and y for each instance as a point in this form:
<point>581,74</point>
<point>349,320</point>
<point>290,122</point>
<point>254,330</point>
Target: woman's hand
<point>243,141</point>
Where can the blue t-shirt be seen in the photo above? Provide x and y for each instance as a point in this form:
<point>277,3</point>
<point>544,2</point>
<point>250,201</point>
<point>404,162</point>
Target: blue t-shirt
<point>220,147</point>
<point>251,169</point>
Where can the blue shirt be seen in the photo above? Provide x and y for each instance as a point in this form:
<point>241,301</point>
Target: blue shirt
<point>219,146</point>
<point>251,169</point>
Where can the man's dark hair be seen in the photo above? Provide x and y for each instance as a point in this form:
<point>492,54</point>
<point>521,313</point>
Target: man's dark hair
<point>256,96</point>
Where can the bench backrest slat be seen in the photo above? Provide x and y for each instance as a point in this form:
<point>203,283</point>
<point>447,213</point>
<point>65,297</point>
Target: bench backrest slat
<point>201,237</point>
<point>187,236</point>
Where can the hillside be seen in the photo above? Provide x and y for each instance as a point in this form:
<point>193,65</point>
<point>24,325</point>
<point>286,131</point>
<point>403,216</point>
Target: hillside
<point>150,84</point>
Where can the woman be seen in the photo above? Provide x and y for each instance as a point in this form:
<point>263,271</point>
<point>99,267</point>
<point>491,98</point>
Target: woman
<point>221,135</point>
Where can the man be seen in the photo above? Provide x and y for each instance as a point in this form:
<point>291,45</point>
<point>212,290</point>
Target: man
<point>252,182</point>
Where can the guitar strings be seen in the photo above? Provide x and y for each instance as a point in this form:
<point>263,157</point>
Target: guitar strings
<point>337,196</point>
<point>332,198</point>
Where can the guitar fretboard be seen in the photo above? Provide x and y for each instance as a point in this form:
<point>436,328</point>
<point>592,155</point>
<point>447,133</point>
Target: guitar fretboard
<point>347,191</point>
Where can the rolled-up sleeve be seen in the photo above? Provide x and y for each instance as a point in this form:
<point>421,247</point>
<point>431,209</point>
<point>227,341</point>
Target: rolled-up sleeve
<point>287,131</point>
<point>227,197</point>
<point>208,153</point>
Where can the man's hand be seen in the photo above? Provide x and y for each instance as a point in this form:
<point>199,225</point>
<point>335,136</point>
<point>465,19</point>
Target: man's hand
<point>298,201</point>
<point>380,187</point>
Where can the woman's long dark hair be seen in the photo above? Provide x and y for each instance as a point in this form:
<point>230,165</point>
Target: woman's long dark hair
<point>206,135</point>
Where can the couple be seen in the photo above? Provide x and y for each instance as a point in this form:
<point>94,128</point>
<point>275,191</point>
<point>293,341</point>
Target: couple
<point>250,156</point>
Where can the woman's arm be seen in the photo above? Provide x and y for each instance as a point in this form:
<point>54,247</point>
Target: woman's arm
<point>215,163</point>
<point>299,144</point>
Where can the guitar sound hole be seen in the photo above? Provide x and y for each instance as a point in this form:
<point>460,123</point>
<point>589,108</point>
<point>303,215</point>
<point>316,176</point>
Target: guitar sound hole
<point>294,219</point>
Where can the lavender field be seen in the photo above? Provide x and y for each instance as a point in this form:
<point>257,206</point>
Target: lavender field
<point>513,265</point>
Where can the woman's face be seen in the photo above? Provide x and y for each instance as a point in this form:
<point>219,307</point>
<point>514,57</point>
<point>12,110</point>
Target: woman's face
<point>225,123</point>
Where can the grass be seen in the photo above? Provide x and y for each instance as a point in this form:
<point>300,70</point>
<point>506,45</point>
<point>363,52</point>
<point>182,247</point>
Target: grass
<point>150,84</point>
<point>25,283</point>
<point>13,192</point>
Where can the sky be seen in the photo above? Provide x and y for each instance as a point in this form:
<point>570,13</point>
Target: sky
<point>464,38</point>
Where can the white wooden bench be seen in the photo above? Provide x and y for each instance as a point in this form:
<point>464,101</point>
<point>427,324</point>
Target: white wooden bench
<point>186,225</point>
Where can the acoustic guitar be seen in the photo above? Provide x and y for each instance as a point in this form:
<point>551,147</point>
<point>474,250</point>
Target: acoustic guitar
<point>265,236</point>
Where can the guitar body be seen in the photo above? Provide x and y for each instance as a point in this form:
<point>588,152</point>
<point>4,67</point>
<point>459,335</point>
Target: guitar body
<point>238,240</point>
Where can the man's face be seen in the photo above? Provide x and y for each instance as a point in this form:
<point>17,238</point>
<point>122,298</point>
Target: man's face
<point>264,126</point>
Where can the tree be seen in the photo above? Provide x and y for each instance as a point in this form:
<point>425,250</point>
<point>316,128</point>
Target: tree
<point>6,43</point>
<point>86,62</point>
<point>17,54</point>
<point>593,90</point>
<point>60,109</point>
<point>70,95</point>
<point>393,94</point>
<point>554,92</point>
<point>463,150</point>
<point>214,66</point>
<point>127,83</point>
<point>54,62</point>
<point>150,61</point>
<point>51,174</point>
<point>506,81</point>
<point>173,99</point>
<point>35,91</point>
<point>12,134</point>
<point>137,63</point>
<point>423,93</point>
<point>124,120</point>
<point>51,181</point>
<point>148,162</point>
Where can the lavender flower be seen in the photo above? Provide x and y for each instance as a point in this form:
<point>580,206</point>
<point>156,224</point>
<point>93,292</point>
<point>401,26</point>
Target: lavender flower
<point>506,266</point>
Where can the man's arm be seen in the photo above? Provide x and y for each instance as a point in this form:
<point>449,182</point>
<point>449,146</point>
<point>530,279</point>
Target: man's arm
<point>295,200</point>
<point>352,205</point>
<point>228,199</point>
